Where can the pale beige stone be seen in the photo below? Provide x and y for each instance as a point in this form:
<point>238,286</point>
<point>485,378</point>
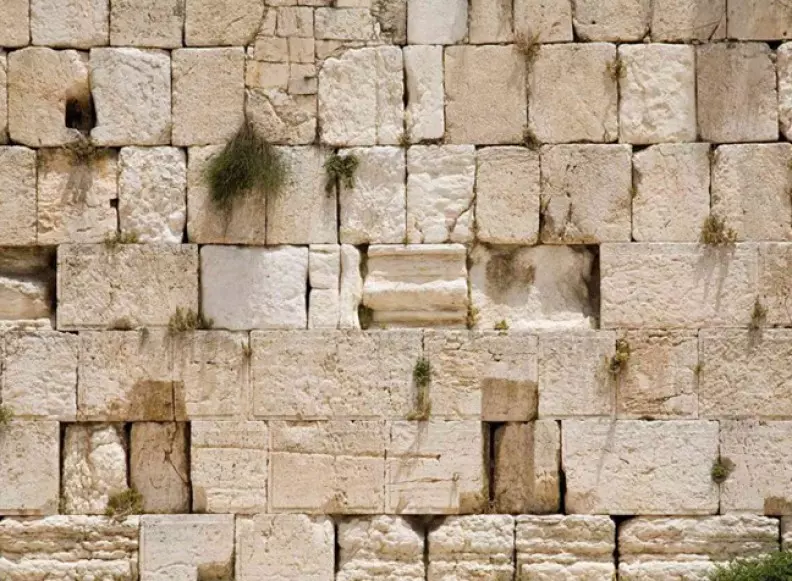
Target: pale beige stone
<point>784,63</point>
<point>391,17</point>
<point>302,50</point>
<point>15,23</point>
<point>634,467</point>
<point>72,23</point>
<point>436,21</point>
<point>350,288</point>
<point>235,24</point>
<point>158,466</point>
<point>616,20</point>
<point>382,547</point>
<point>293,21</point>
<point>323,308</point>
<point>303,79</point>
<point>267,75</point>
<point>147,23</point>
<point>324,266</point>
<point>547,20</point>
<point>425,114</point>
<point>3,93</point>
<point>760,20</point>
<point>18,200</point>
<point>675,20</point>
<point>282,118</point>
<point>490,21</point>
<point>344,24</point>
<point>774,290</point>
<point>30,478</point>
<point>467,548</point>
<point>27,286</point>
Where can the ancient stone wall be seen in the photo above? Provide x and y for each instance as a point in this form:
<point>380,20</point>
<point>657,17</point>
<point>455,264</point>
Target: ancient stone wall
<point>539,327</point>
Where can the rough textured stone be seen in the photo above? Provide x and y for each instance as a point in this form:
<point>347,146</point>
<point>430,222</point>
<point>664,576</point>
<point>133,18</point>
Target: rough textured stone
<point>774,290</point>
<point>94,466</point>
<point>30,478</point>
<point>425,115</point>
<point>617,20</point>
<point>323,308</point>
<point>27,286</point>
<point>549,20</point>
<point>15,23</point>
<point>324,266</point>
<point>760,20</point>
<point>468,548</point>
<point>674,20</point>
<point>380,548</point>
<point>72,23</point>
<point>345,24</point>
<point>784,63</point>
<point>18,202</point>
<point>235,24</point>
<point>635,467</point>
<point>281,117</point>
<point>490,21</point>
<point>147,23</point>
<point>486,101</point>
<point>3,94</point>
<point>159,468</point>
<point>436,21</point>
<point>350,288</point>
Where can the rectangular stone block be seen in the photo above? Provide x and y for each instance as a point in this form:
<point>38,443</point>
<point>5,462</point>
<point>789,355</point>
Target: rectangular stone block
<point>784,64</point>
<point>436,21</point>
<point>616,20</point>
<point>73,23</point>
<point>345,24</point>
<point>323,309</point>
<point>30,478</point>
<point>237,24</point>
<point>18,203</point>
<point>15,23</point>
<point>491,21</point>
<point>159,466</point>
<point>549,20</point>
<point>425,115</point>
<point>3,94</point>
<point>774,287</point>
<point>324,266</point>
<point>760,20</point>
<point>635,467</point>
<point>467,548</point>
<point>681,20</point>
<point>279,116</point>
<point>27,286</point>
<point>380,548</point>
<point>147,23</point>
<point>350,288</point>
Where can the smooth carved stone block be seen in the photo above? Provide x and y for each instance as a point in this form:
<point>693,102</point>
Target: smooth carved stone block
<point>784,63</point>
<point>18,202</point>
<point>30,478</point>
<point>474,547</point>
<point>679,20</point>
<point>159,467</point>
<point>549,20</point>
<point>71,23</point>
<point>615,20</point>
<point>15,23</point>
<point>425,114</point>
<point>382,547</point>
<point>760,20</point>
<point>236,24</point>
<point>147,23</point>
<point>436,21</point>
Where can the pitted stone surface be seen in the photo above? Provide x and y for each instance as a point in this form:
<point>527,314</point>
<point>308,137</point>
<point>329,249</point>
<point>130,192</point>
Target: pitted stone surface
<point>784,63</point>
<point>18,204</point>
<point>425,114</point>
<point>236,24</point>
<point>159,467</point>
<point>72,23</point>
<point>550,20</point>
<point>15,23</point>
<point>760,20</point>
<point>436,21</point>
<point>380,548</point>
<point>148,23</point>
<point>617,20</point>
<point>680,20</point>
<point>30,478</point>
<point>472,547</point>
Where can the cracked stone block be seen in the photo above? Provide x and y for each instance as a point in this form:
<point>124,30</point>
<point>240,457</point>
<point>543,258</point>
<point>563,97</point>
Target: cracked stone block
<point>416,285</point>
<point>30,478</point>
<point>15,23</point>
<point>425,114</point>
<point>18,202</point>
<point>374,115</point>
<point>549,20</point>
<point>614,20</point>
<point>101,286</point>
<point>345,24</point>
<point>784,63</point>
<point>637,467</point>
<point>235,25</point>
<point>736,85</point>
<point>485,95</point>
<point>350,288</point>
<point>132,92</point>
<point>378,548</point>
<point>27,287</point>
<point>159,467</point>
<point>94,466</point>
<point>147,23</point>
<point>436,21</point>
<point>467,548</point>
<point>490,21</point>
<point>281,117</point>
<point>774,288</point>
<point>682,20</point>
<point>70,23</point>
<point>760,20</point>
<point>672,192</point>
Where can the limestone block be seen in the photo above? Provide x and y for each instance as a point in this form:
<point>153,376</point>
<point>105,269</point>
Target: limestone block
<point>147,23</point>
<point>152,193</point>
<point>236,24</point>
<point>490,21</point>
<point>543,287</point>
<point>485,376</point>
<point>73,23</point>
<point>774,286</point>
<point>549,20</point>
<point>382,547</point>
<point>672,192</point>
<point>436,21</point>
<point>39,378</point>
<point>254,288</point>
<point>676,285</point>
<point>526,469</point>
<point>615,20</point>
<point>324,266</point>
<point>40,82</point>
<point>467,548</point>
<point>635,467</point>
<point>69,547</point>
<point>784,62</point>
<point>750,189</point>
<point>425,115</point>
<point>323,308</point>
<point>392,18</point>
<point>228,466</point>
<point>94,466</point>
<point>376,113</point>
<point>760,20</point>
<point>675,20</point>
<point>507,195</point>
<point>15,23</point>
<point>416,284</point>
<point>351,288</point>
<point>186,546</point>
<point>586,193</point>
<point>486,100</point>
<point>27,286</point>
<point>660,380</point>
<point>18,201</point>
<point>137,284</point>
<point>736,88</point>
<point>132,92</point>
<point>345,24</point>
<point>281,117</point>
<point>573,97</point>
<point>208,94</point>
<point>30,478</point>
<point>435,467</point>
<point>440,197</point>
<point>3,94</point>
<point>293,21</point>
<point>275,547</point>
<point>656,549</point>
<point>570,547</point>
<point>159,467</point>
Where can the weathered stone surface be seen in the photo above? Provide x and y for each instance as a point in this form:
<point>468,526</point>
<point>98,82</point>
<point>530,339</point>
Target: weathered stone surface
<point>158,467</point>
<point>784,63</point>
<point>323,306</point>
<point>293,21</point>
<point>3,94</point>
<point>255,288</point>
<point>351,288</point>
<point>436,21</point>
<point>345,24</point>
<point>236,24</point>
<point>18,200</point>
<point>30,478</point>
<point>147,23</point>
<point>676,285</point>
<point>760,20</point>
<point>94,466</point>
<point>27,286</point>
<point>324,266</point>
<point>674,20</point>
<point>380,548</point>
<point>672,192</point>
<point>281,117</point>
<point>435,467</point>
<point>586,191</point>
<point>490,21</point>
<point>635,467</point>
<point>132,92</point>
<point>416,285</point>
<point>486,102</point>
<point>736,86</point>
<point>275,547</point>
<point>73,23</point>
<point>774,287</point>
<point>228,467</point>
<point>15,23</point>
<point>526,469</point>
<point>467,548</point>
<point>102,286</point>
<point>425,115</point>
<point>616,20</point>
<point>549,20</point>
<point>573,97</point>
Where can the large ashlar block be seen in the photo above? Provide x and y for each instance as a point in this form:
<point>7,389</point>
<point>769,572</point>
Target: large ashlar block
<point>549,20</point>
<point>70,23</point>
<point>615,20</point>
<point>147,23</point>
<point>435,467</point>
<point>760,20</point>
<point>586,193</point>
<point>15,23</point>
<point>573,97</point>
<point>677,285</point>
<point>672,192</point>
<point>208,94</point>
<point>159,467</point>
<point>350,293</point>
<point>490,21</point>
<point>636,467</point>
<point>255,288</point>
<point>436,21</point>
<point>526,469</point>
<point>94,466</point>
<point>736,85</point>
<point>380,548</point>
<point>275,547</point>
<point>784,63</point>
<point>186,546</point>
<point>425,115</point>
<point>129,284</point>
<point>416,285</point>
<point>566,547</point>
<point>69,547</point>
<point>27,286</point>
<point>236,24</point>
<point>467,548</point>
<point>30,478</point>
<point>18,200</point>
<point>375,113</point>
<point>543,287</point>
<point>679,20</point>
<point>228,466</point>
<point>486,101</point>
<point>751,187</point>
<point>282,117</point>
<point>347,24</point>
<point>657,549</point>
<point>775,288</point>
<point>132,93</point>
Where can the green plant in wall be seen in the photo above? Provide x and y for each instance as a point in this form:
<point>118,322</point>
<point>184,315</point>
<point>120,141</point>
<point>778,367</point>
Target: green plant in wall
<point>758,316</point>
<point>422,378</point>
<point>721,469</point>
<point>715,232</point>
<point>124,503</point>
<point>771,567</point>
<point>340,169</point>
<point>6,415</point>
<point>501,325</point>
<point>619,360</point>
<point>187,320</point>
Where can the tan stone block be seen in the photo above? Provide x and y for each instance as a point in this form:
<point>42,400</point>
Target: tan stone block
<point>436,21</point>
<point>380,548</point>
<point>18,202</point>
<point>675,20</point>
<point>272,49</point>
<point>147,23</point>
<point>323,308</point>
<point>425,114</point>
<point>294,21</point>
<point>159,468</point>
<point>467,548</point>
<point>30,478</point>
<point>774,290</point>
<point>344,24</point>
<point>15,23</point>
<point>72,23</point>
<point>490,21</point>
<point>784,63</point>
<point>282,118</point>
<point>302,79</point>
<point>27,286</point>
<point>615,20</point>
<point>549,20</point>
<point>236,24</point>
<point>3,93</point>
<point>301,50</point>
<point>760,20</point>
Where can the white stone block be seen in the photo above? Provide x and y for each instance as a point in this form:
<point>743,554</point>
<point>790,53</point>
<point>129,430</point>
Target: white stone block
<point>18,200</point>
<point>159,466</point>
<point>425,115</point>
<point>467,548</point>
<point>281,117</point>
<point>436,21</point>
<point>380,548</point>
<point>30,478</point>
<point>760,20</point>
<point>549,20</point>
<point>15,23</point>
<point>351,288</point>
<point>236,24</point>
<point>72,23</point>
<point>345,24</point>
<point>784,63</point>
<point>676,20</point>
<point>615,20</point>
<point>323,308</point>
<point>147,23</point>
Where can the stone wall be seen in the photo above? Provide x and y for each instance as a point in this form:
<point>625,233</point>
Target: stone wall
<point>543,332</point>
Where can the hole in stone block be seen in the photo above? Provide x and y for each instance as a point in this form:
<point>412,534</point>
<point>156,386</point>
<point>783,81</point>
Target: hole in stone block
<point>27,286</point>
<point>80,114</point>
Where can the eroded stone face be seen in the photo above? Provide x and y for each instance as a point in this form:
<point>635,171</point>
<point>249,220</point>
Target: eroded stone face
<point>436,21</point>
<point>148,23</point>
<point>380,547</point>
<point>760,20</point>
<point>282,117</point>
<point>679,20</point>
<point>550,20</point>
<point>472,547</point>
<point>18,203</point>
<point>15,23</point>
<point>26,286</point>
<point>784,62</point>
<point>30,478</point>
<point>236,24</point>
<point>616,20</point>
<point>425,115</point>
<point>159,468</point>
<point>73,23</point>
